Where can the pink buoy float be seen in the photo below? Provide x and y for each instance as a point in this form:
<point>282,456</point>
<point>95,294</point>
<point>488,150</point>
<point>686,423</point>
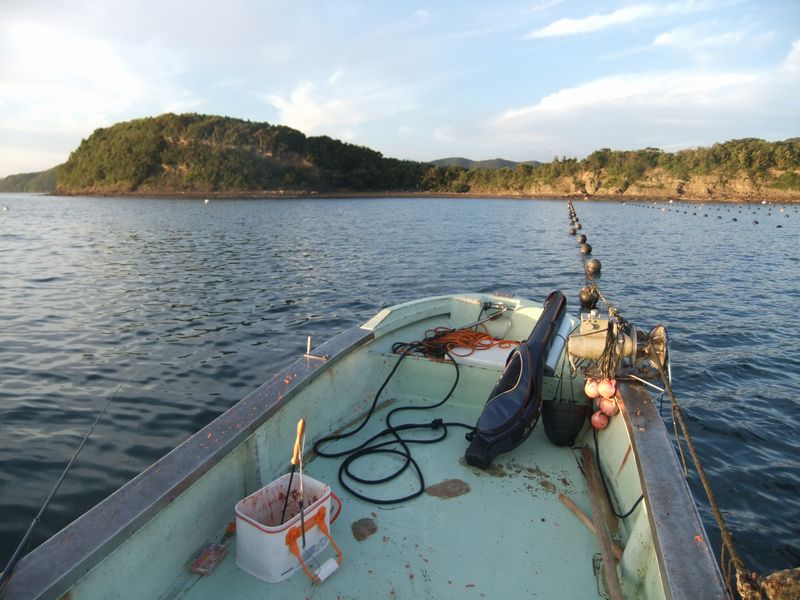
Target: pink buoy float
<point>608,406</point>
<point>599,420</point>
<point>607,388</point>
<point>590,389</point>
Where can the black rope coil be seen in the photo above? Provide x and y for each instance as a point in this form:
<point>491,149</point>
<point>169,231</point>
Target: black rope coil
<point>396,445</point>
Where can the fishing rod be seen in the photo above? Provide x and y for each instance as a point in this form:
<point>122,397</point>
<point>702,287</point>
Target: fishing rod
<point>5,576</point>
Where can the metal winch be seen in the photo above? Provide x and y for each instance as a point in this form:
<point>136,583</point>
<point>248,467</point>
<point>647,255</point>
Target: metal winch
<point>597,335</point>
<point>602,337</point>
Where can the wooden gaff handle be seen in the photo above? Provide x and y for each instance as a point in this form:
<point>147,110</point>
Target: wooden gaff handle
<point>301,429</point>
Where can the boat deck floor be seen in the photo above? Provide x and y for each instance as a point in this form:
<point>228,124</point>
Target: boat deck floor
<point>500,533</point>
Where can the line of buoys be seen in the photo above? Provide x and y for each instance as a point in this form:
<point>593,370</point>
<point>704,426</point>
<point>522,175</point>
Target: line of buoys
<point>698,209</point>
<point>602,392</point>
<point>755,209</point>
<point>594,266</point>
<point>588,294</point>
<point>588,297</point>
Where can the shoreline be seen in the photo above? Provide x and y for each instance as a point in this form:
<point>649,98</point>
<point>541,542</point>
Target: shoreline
<point>302,194</point>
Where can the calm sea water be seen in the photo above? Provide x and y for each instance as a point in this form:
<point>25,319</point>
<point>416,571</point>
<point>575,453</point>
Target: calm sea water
<point>176,309</point>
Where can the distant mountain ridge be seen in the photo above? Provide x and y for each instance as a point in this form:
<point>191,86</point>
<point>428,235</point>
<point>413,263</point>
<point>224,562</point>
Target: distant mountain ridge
<point>494,163</point>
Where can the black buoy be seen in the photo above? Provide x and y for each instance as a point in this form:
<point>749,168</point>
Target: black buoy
<point>581,238</point>
<point>577,225</point>
<point>586,249</point>
<point>588,297</point>
<point>572,231</point>
<point>593,266</point>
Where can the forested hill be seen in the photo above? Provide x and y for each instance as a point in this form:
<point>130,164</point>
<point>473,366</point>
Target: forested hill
<point>191,153</point>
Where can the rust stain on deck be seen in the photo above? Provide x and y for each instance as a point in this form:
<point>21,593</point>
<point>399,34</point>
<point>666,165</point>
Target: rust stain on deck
<point>535,471</point>
<point>546,485</point>
<point>363,528</point>
<point>449,488</point>
<point>495,470</point>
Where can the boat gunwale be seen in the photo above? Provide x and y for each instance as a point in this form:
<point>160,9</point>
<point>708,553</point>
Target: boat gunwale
<point>54,567</point>
<point>685,559</point>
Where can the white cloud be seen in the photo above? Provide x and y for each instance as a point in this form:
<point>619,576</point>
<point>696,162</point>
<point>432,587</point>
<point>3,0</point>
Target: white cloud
<point>627,14</point>
<point>72,83</point>
<point>314,109</point>
<point>444,134</point>
<point>335,76</point>
<point>698,43</point>
<point>65,84</point>
<point>662,108</point>
<point>671,89</point>
<point>542,6</point>
<point>693,38</point>
<point>58,80</point>
<point>792,61</point>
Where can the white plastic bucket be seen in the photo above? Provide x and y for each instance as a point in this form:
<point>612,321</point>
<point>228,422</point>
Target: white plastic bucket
<point>262,548</point>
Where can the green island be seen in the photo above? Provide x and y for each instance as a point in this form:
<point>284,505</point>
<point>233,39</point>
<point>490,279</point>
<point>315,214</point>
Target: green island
<point>193,154</point>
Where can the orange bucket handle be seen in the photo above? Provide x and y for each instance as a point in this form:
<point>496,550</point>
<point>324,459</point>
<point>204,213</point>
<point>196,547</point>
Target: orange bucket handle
<point>294,533</point>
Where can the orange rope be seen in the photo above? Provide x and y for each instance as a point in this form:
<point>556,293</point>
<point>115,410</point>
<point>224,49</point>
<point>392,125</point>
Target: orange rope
<point>469,339</point>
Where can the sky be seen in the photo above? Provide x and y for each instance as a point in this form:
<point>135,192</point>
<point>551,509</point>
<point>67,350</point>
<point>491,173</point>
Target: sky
<point>522,80</point>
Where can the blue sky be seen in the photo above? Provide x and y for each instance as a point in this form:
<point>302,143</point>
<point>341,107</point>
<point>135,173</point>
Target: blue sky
<point>520,80</point>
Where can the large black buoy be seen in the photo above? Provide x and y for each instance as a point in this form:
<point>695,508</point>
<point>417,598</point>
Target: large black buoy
<point>586,249</point>
<point>593,266</point>
<point>588,297</point>
<point>581,238</point>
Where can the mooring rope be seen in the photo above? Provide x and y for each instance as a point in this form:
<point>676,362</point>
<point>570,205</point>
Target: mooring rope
<point>744,583</point>
<point>745,579</point>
